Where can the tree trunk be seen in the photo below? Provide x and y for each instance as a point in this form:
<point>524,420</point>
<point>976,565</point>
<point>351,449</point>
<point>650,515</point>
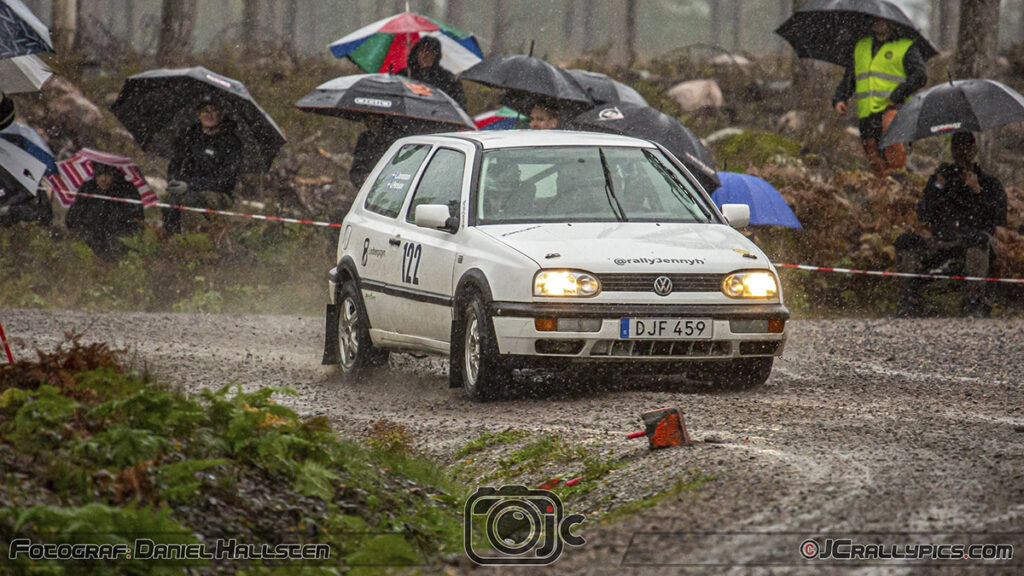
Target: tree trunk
<point>785,11</point>
<point>949,16</point>
<point>806,82</point>
<point>569,24</point>
<point>737,26</point>
<point>177,22</point>
<point>64,24</point>
<point>250,24</point>
<point>291,29</point>
<point>716,28</point>
<point>454,13</point>
<point>498,23</point>
<point>978,40</point>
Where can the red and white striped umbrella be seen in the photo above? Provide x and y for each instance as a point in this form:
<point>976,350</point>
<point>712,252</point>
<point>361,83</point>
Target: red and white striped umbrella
<point>77,170</point>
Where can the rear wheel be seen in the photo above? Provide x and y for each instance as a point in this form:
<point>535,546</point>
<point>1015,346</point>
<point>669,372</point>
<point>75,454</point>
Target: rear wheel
<point>737,374</point>
<point>357,350</point>
<point>483,372</point>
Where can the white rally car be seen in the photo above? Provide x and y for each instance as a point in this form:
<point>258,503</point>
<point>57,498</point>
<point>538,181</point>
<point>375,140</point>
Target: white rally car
<point>516,249</point>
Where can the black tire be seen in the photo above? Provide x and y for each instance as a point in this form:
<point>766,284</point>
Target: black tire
<point>737,374</point>
<point>357,350</point>
<point>474,353</point>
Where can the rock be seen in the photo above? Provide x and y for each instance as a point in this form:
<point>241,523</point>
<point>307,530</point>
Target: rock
<point>792,121</point>
<point>76,108</point>
<point>731,60</point>
<point>696,94</point>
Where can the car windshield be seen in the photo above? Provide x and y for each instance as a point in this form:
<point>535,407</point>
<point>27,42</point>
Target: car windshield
<point>585,184</point>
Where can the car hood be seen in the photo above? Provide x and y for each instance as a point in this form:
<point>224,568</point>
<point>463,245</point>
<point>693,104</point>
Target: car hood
<point>632,246</point>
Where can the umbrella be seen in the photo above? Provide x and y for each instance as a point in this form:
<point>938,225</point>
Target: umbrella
<point>354,97</point>
<point>29,140</point>
<point>21,33</point>
<point>23,74</point>
<point>527,76</point>
<point>503,118</point>
<point>155,105</point>
<point>956,106</point>
<point>20,170</point>
<point>78,169</point>
<point>767,207</point>
<point>829,29</point>
<point>605,90</point>
<point>384,45</point>
<point>647,123</point>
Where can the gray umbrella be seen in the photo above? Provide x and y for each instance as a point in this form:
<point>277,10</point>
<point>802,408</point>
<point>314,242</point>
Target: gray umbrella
<point>956,106</point>
<point>605,90</point>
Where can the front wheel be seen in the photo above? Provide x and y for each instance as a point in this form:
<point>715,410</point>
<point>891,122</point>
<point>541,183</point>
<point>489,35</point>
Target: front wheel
<point>357,350</point>
<point>737,374</point>
<point>483,372</point>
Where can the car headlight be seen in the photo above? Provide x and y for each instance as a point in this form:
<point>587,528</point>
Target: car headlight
<point>565,283</point>
<point>750,285</point>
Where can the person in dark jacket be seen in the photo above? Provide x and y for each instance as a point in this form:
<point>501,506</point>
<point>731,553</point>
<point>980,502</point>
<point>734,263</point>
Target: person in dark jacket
<point>20,206</point>
<point>372,143</point>
<point>205,166</point>
<point>884,70</point>
<point>425,64</point>
<point>962,206</point>
<point>6,111</point>
<point>100,223</point>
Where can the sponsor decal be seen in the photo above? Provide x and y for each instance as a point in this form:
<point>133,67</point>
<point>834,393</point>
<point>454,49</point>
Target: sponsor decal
<point>653,261</point>
<point>375,102</point>
<point>419,89</point>
<point>946,127</point>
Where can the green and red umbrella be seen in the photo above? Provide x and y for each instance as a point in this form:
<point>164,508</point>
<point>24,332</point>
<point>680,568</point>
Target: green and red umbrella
<point>384,46</point>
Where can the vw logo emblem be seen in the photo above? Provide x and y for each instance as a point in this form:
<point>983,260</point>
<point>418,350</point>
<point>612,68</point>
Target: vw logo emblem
<point>663,285</point>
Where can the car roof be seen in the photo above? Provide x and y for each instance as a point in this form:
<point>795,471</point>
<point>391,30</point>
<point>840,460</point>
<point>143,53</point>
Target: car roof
<point>491,139</point>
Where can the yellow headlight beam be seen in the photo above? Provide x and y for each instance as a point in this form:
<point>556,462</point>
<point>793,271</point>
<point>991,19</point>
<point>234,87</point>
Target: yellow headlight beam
<point>565,283</point>
<point>750,285</point>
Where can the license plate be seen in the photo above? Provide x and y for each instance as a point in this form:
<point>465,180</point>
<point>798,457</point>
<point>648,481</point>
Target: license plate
<point>665,328</point>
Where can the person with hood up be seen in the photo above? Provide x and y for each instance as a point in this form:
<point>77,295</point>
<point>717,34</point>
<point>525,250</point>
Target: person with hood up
<point>372,143</point>
<point>100,223</point>
<point>206,163</point>
<point>425,65</point>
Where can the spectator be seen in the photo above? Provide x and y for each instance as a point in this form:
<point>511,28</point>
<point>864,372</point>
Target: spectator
<point>884,70</point>
<point>372,143</point>
<point>205,166</point>
<point>962,205</point>
<point>100,223</point>
<point>544,116</point>
<point>425,64</point>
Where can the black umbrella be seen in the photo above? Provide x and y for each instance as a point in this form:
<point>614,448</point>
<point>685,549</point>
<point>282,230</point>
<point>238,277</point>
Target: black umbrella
<point>356,96</point>
<point>21,33</point>
<point>956,106</point>
<point>647,123</point>
<point>829,29</point>
<point>155,105</point>
<point>605,90</point>
<point>527,75</point>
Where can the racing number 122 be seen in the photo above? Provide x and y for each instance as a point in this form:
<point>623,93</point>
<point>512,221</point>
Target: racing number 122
<point>411,263</point>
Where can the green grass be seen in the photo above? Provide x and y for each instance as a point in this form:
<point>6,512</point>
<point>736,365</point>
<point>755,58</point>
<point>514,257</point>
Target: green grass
<point>693,482</point>
<point>488,439</point>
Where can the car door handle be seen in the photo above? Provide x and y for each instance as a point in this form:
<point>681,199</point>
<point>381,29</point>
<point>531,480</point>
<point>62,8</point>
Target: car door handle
<point>395,241</point>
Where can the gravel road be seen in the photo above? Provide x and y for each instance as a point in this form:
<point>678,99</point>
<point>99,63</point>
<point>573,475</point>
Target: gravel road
<point>865,426</point>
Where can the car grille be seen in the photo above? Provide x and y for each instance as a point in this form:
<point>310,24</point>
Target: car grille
<point>645,282</point>
<point>660,348</point>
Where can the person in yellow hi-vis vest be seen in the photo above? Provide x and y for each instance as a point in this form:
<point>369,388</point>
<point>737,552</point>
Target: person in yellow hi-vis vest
<point>884,70</point>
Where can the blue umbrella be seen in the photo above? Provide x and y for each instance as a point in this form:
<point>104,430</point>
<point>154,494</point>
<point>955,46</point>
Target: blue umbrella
<point>29,140</point>
<point>21,33</point>
<point>767,207</point>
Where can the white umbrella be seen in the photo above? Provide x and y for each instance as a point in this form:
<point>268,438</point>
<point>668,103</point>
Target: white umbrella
<point>23,74</point>
<point>19,168</point>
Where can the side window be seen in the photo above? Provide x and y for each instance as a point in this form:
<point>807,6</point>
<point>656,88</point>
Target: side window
<point>441,182</point>
<point>388,193</point>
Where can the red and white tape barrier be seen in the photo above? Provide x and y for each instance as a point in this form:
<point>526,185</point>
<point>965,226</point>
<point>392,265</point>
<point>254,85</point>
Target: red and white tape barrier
<point>3,337</point>
<point>334,225</point>
<point>210,211</point>
<point>899,274</point>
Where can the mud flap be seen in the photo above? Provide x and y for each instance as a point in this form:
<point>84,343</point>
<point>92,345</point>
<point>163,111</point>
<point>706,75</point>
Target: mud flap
<point>332,347</point>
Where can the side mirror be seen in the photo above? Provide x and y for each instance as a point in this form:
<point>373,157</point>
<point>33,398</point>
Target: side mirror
<point>435,216</point>
<point>737,215</point>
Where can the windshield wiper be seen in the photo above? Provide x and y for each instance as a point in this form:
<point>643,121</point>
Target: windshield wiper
<point>610,190</point>
<point>678,188</point>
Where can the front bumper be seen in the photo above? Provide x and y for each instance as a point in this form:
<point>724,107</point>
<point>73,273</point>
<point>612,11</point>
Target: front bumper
<point>517,334</point>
